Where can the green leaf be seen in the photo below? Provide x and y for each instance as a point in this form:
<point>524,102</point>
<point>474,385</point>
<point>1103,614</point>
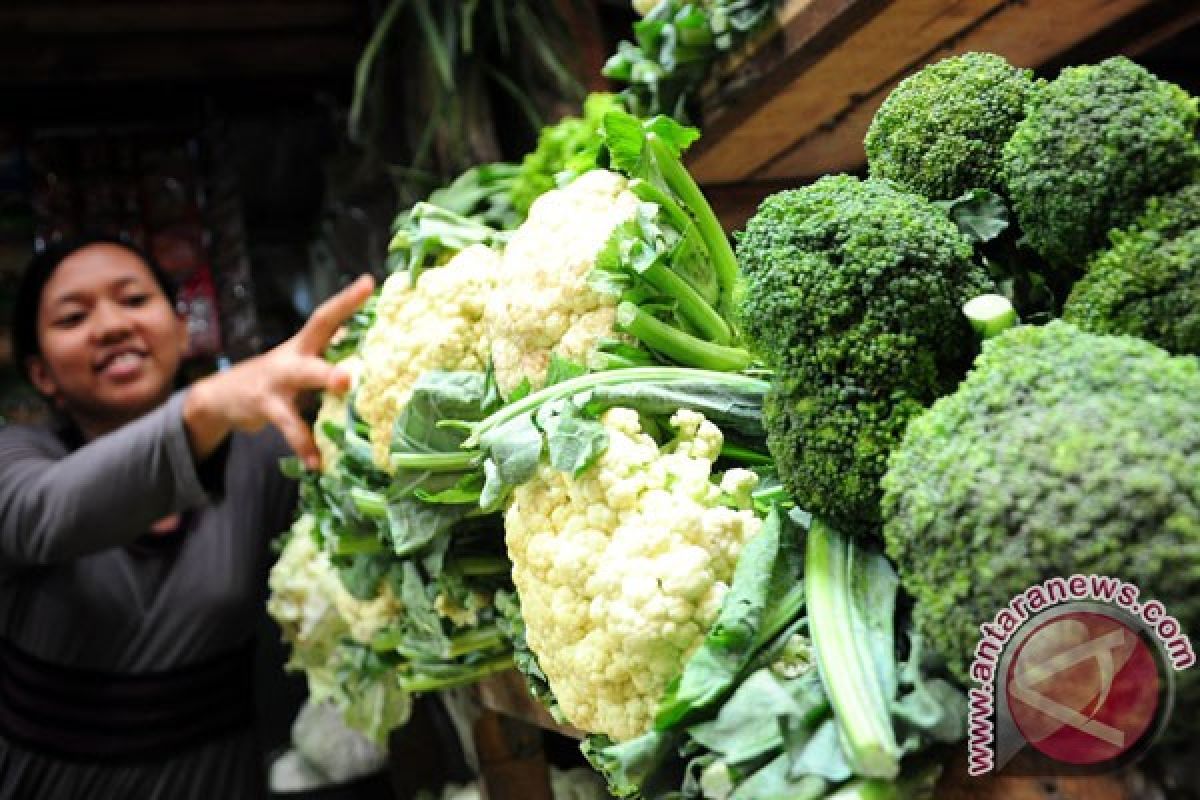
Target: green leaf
<point>641,767</point>
<point>980,214</point>
<point>514,451</point>
<point>562,369</point>
<point>573,441</point>
<point>362,574</point>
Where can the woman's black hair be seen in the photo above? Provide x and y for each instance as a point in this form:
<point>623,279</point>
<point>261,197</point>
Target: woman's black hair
<point>37,274</point>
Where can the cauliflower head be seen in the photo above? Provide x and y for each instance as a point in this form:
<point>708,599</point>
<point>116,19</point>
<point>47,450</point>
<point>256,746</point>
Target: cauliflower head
<point>621,570</point>
<point>313,608</point>
<point>437,324</point>
<point>546,305</point>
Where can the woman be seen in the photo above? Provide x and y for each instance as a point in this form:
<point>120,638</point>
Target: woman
<point>133,538</point>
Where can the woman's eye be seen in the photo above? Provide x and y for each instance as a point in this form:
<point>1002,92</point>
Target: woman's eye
<point>69,320</point>
<point>137,300</point>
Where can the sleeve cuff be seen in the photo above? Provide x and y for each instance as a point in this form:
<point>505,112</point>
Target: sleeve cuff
<point>191,487</point>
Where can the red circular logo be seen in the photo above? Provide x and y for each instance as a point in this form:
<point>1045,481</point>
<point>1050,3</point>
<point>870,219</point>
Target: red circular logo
<point>1083,688</point>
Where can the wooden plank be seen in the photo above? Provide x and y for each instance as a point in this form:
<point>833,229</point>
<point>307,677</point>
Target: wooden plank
<point>125,17</point>
<point>45,61</point>
<point>512,765</point>
<point>956,784</point>
<point>507,694</point>
<point>1027,34</point>
<point>834,70</point>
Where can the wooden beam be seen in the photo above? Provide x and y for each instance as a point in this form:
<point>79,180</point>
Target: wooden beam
<point>1027,34</point>
<point>836,51</point>
<point>808,113</point>
<point>44,61</point>
<point>126,17</point>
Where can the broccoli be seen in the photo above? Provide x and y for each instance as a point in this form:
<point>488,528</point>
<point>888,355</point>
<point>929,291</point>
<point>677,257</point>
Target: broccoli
<point>1062,452</point>
<point>1148,283</point>
<point>942,130</point>
<point>1095,144</point>
<point>853,293</point>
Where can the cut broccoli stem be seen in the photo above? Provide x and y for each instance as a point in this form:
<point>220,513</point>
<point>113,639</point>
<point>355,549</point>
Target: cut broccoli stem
<point>836,571</point>
<point>690,304</point>
<point>434,462</point>
<point>680,347</point>
<point>660,375</point>
<point>684,185</point>
<point>460,677</point>
<point>990,314</point>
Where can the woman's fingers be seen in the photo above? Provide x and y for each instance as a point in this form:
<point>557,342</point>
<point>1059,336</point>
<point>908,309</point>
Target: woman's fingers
<point>295,432</point>
<point>330,315</point>
<point>312,373</point>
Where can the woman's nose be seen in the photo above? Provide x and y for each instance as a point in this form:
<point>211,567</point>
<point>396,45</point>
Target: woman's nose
<point>110,323</point>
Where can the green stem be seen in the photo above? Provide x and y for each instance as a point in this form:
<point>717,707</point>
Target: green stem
<point>600,361</point>
<point>368,503</point>
<point>691,305</point>
<point>479,566</point>
<point>660,375</point>
<point>475,640</point>
<point>680,347</point>
<point>468,675</point>
<point>744,454</point>
<point>834,567</point>
<point>684,185</point>
<point>434,462</point>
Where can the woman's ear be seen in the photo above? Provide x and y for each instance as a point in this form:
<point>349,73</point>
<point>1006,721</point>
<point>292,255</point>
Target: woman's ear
<point>41,378</point>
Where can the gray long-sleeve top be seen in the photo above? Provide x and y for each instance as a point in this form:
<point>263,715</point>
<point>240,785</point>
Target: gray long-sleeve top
<point>78,589</point>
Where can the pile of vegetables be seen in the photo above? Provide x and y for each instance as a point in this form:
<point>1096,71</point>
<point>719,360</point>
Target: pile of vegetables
<point>738,515</point>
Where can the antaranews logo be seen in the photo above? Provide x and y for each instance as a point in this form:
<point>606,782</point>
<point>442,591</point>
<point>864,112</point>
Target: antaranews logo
<point>1075,676</point>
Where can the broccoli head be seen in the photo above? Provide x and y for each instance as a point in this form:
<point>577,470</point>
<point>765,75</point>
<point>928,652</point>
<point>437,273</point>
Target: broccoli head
<point>853,293</point>
<point>1148,283</point>
<point>1096,143</point>
<point>1062,452</point>
<point>942,130</point>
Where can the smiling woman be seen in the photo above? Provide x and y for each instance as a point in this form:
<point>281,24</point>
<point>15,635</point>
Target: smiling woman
<point>97,333</point>
<point>133,536</point>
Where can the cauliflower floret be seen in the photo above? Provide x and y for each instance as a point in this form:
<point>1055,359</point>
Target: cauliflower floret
<point>621,570</point>
<point>546,305</point>
<point>333,409</point>
<point>437,324</point>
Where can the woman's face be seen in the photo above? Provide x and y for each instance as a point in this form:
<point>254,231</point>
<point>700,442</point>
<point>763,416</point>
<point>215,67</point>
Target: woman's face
<point>110,341</point>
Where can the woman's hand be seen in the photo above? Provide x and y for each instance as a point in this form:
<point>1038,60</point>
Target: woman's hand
<point>263,390</point>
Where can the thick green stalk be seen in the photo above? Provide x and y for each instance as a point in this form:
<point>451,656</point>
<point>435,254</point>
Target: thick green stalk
<point>691,305</point>
<point>464,677</point>
<point>684,185</point>
<point>835,566</point>
<point>368,503</point>
<point>662,375</point>
<point>479,566</point>
<point>434,462</point>
<point>680,347</point>
<point>474,641</point>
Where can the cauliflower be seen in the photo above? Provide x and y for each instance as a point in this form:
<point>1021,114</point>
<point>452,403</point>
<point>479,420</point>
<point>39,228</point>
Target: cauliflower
<point>546,305</point>
<point>622,569</point>
<point>312,606</point>
<point>438,324</point>
<point>319,617</point>
<point>333,409</point>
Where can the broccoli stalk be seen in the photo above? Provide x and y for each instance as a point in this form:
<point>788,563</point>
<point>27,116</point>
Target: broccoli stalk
<point>990,314</point>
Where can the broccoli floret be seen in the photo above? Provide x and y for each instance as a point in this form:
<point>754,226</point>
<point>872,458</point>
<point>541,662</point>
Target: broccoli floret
<point>1062,452</point>
<point>1096,143</point>
<point>942,130</point>
<point>853,294</point>
<point>1148,283</point>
